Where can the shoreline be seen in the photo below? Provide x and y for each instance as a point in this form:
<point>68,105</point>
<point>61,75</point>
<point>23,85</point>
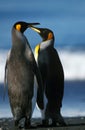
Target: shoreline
<point>73,123</point>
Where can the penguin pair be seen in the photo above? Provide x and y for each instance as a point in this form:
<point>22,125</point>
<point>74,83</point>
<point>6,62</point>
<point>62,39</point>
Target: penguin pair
<point>52,74</point>
<point>20,70</point>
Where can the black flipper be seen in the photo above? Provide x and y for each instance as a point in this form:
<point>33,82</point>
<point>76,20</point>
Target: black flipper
<point>40,95</point>
<point>29,55</point>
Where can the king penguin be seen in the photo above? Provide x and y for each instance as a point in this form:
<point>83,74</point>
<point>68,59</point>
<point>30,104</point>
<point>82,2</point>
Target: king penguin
<point>20,69</point>
<point>52,74</point>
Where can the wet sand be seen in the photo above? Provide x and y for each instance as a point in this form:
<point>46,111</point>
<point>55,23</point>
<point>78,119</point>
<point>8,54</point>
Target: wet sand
<point>75,123</point>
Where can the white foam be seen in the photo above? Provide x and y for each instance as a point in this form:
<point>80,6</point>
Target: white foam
<point>69,112</point>
<point>73,64</point>
<point>3,56</point>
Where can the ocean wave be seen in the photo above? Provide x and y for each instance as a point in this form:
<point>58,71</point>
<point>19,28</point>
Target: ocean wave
<point>3,56</point>
<point>69,112</point>
<point>66,112</point>
<point>73,63</point>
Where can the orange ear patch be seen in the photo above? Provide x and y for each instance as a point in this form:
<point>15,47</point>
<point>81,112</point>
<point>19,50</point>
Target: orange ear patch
<point>50,36</point>
<point>18,27</point>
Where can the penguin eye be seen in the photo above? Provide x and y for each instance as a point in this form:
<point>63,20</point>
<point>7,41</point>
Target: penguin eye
<point>18,27</point>
<point>50,36</point>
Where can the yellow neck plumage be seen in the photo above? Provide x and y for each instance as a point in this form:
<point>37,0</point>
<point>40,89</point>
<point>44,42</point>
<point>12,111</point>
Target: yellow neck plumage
<point>36,51</point>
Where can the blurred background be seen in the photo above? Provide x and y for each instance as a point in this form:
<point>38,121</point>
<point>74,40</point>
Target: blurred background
<point>66,18</point>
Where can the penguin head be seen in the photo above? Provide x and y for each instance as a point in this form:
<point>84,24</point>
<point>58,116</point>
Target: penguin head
<point>22,26</point>
<point>45,33</point>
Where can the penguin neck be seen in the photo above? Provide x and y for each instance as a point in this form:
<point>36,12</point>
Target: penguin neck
<point>46,44</point>
<point>18,40</point>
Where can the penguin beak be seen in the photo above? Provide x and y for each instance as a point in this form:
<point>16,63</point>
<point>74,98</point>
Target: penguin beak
<point>36,29</point>
<point>31,24</point>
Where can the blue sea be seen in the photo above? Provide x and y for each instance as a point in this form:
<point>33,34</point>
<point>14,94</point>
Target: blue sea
<point>66,18</point>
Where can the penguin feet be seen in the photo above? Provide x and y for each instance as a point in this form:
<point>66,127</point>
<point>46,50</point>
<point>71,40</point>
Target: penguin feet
<point>58,120</point>
<point>53,122</point>
<point>21,124</point>
<point>47,122</point>
<point>27,124</point>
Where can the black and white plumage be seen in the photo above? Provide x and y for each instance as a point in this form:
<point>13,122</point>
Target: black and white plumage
<point>19,72</point>
<point>52,76</point>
